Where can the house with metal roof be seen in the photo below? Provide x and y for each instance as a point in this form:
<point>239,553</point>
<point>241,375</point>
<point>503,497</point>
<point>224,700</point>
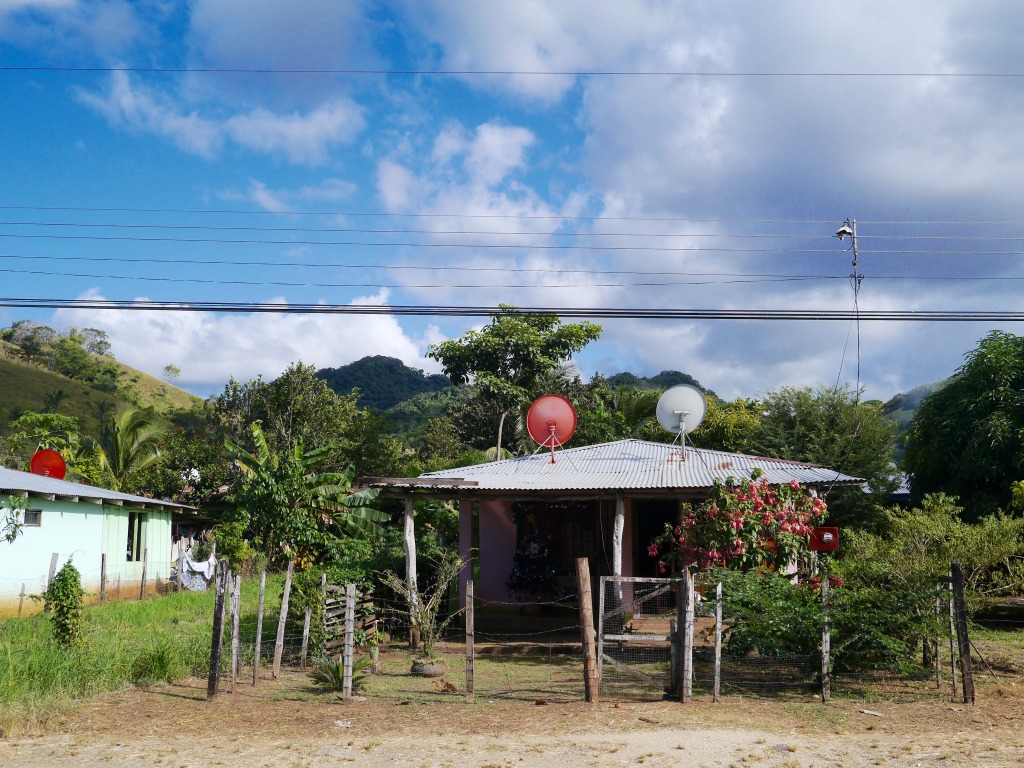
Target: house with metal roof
<point>96,528</point>
<point>605,502</point>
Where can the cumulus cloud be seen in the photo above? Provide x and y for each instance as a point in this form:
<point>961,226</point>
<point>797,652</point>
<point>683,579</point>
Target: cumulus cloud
<point>302,138</point>
<point>210,348</point>
<point>61,27</point>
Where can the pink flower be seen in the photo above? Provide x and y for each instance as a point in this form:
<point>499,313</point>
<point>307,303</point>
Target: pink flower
<point>794,485</point>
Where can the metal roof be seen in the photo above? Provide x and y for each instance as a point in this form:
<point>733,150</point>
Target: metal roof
<point>13,481</point>
<point>626,465</point>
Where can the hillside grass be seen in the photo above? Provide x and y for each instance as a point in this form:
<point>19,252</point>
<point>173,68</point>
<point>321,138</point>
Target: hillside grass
<point>23,387</point>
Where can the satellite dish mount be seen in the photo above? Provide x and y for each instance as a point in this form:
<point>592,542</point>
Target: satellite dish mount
<point>680,410</point>
<point>551,421</point>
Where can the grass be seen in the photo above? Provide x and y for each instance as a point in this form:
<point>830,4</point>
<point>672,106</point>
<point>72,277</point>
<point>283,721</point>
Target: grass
<point>126,643</point>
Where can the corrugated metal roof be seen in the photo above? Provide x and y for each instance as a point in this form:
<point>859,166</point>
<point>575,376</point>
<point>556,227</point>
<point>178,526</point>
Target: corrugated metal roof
<point>17,482</point>
<point>632,465</point>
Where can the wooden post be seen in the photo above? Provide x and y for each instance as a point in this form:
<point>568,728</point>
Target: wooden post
<point>688,637</point>
<point>678,644</point>
<point>53,569</point>
<point>470,642</point>
<point>718,642</point>
<point>21,598</point>
<point>826,640</point>
<point>213,681</point>
<point>279,644</point>
<point>409,536</point>
<point>103,577</point>
<point>935,654</point>
<point>601,629</point>
<point>236,624</point>
<point>952,634</point>
<point>963,641</point>
<point>145,567</point>
<point>350,616</point>
<point>259,627</point>
<point>305,638</point>
<point>181,564</point>
<point>590,678</point>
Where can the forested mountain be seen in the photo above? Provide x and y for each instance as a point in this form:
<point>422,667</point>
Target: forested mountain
<point>661,381</point>
<point>382,381</point>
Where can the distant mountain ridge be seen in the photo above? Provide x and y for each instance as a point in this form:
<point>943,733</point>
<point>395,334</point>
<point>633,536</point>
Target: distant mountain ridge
<point>382,381</point>
<point>663,380</point>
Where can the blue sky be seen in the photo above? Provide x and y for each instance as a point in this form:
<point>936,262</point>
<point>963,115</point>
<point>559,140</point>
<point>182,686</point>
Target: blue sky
<point>446,153</point>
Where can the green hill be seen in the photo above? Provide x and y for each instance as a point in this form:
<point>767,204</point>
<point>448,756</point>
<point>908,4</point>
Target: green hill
<point>382,381</point>
<point>663,380</point>
<point>25,387</point>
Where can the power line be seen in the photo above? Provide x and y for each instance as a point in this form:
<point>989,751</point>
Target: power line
<point>501,72</point>
<point>484,311</point>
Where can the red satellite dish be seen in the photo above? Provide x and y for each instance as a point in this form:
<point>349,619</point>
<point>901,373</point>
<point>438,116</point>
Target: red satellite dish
<point>48,464</point>
<point>551,421</point>
<point>825,539</point>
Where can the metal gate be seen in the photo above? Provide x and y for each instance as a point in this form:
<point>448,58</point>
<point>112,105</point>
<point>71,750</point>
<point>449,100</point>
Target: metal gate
<point>637,638</point>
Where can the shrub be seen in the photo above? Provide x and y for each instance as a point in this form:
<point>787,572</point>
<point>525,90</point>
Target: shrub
<point>63,600</point>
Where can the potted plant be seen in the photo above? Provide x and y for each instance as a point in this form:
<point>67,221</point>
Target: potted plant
<point>424,611</point>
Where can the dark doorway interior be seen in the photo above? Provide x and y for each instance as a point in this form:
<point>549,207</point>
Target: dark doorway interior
<point>649,519</point>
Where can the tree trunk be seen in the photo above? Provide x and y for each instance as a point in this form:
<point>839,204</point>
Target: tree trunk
<point>501,425</point>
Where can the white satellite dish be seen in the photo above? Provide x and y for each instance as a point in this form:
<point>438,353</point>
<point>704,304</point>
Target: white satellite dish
<point>681,409</point>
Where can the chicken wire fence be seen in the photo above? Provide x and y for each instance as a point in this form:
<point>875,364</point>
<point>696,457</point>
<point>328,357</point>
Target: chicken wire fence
<point>651,647</point>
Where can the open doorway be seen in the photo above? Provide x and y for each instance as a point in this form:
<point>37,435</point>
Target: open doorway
<point>650,516</point>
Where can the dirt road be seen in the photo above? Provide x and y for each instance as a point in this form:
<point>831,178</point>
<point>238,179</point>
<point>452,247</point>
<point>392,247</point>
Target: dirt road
<point>175,726</point>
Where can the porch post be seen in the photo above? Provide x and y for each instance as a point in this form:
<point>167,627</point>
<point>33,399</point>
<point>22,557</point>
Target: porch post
<point>410,544</point>
<point>620,523</point>
<point>465,547</point>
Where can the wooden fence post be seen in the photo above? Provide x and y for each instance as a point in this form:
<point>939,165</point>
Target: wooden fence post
<point>826,640</point>
<point>718,642</point>
<point>590,679</point>
<point>217,642</point>
<point>145,566</point>
<point>53,569</point>
<point>181,564</point>
<point>952,633</point>
<point>103,577</point>
<point>236,625</point>
<point>470,641</point>
<point>687,629</point>
<point>963,641</point>
<point>21,598</point>
<point>259,627</point>
<point>350,615</point>
<point>279,644</point>
<point>305,638</point>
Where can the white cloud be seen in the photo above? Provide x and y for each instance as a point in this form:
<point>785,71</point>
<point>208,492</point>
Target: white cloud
<point>60,27</point>
<point>210,348</point>
<point>302,138</point>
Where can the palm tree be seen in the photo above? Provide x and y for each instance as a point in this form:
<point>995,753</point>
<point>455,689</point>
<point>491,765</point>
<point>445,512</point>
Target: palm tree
<point>129,442</point>
<point>636,406</point>
<point>289,506</point>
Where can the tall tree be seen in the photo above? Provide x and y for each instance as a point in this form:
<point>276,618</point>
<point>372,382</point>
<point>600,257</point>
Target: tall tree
<point>832,426</point>
<point>507,357</point>
<point>965,438</point>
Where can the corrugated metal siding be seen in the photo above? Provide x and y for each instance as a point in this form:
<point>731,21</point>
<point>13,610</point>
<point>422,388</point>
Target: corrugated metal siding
<point>633,464</point>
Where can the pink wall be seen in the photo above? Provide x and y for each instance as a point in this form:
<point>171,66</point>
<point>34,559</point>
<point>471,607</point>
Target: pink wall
<point>497,550</point>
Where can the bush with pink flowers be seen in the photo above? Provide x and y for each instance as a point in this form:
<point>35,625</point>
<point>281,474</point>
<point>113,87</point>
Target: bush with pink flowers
<point>743,524</point>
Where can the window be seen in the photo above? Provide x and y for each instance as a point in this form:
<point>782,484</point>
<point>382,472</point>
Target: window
<point>33,518</point>
<point>136,536</point>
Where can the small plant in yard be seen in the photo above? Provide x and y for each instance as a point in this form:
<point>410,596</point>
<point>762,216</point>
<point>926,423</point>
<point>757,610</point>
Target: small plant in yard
<point>424,608</point>
<point>63,601</point>
<point>330,673</point>
<point>11,523</point>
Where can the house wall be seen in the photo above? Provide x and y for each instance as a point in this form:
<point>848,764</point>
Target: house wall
<point>497,550</point>
<point>82,532</point>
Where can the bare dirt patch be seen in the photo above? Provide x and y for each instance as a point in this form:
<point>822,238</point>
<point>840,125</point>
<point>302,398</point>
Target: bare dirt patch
<point>280,724</point>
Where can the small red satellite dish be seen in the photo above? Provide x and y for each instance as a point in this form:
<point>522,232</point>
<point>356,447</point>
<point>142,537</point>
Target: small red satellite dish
<point>825,539</point>
<point>551,421</point>
<point>48,463</point>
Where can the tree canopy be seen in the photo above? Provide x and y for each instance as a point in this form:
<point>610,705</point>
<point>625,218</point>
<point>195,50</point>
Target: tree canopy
<point>965,439</point>
<point>506,358</point>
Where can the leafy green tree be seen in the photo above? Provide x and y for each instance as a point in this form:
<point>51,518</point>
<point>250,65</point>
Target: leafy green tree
<point>965,439</point>
<point>730,426</point>
<point>507,357</point>
<point>63,601</point>
<point>128,444</point>
<point>830,426</point>
<point>290,508</point>
<point>11,522</point>
<point>32,339</point>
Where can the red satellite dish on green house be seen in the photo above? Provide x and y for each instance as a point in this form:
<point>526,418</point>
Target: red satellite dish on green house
<point>551,421</point>
<point>48,464</point>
